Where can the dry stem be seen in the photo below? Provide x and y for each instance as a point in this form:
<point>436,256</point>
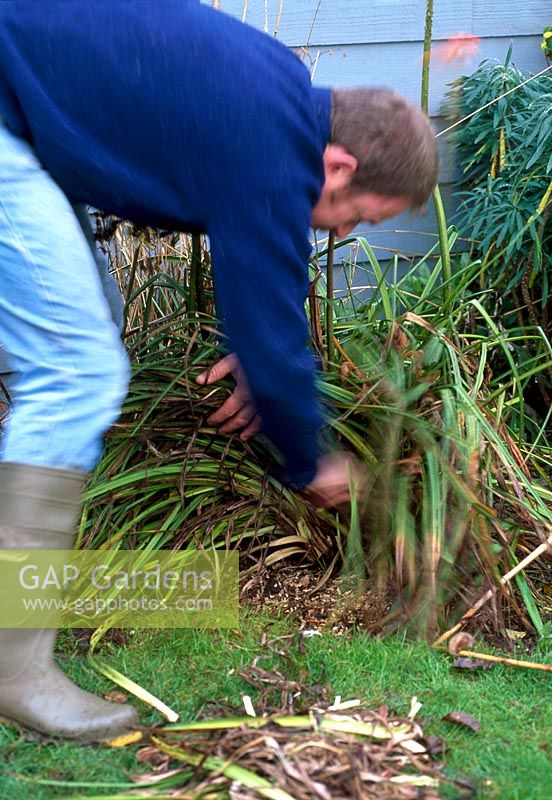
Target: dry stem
<point>539,551</point>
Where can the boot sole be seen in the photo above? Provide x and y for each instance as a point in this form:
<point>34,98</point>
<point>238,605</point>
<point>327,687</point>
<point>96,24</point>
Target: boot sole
<point>60,737</point>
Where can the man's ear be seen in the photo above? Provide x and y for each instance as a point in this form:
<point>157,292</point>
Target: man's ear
<point>339,167</point>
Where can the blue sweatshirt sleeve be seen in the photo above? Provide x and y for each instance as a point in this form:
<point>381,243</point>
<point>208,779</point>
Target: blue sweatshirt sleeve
<point>266,173</point>
<point>260,268</point>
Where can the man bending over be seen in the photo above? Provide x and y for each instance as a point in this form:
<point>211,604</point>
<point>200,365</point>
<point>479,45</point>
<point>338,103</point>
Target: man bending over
<point>173,115</point>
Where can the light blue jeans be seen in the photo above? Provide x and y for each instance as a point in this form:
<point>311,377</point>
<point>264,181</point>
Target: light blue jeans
<point>70,367</point>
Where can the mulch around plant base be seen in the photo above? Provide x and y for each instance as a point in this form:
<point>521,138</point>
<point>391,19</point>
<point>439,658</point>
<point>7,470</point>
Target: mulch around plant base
<point>337,605</point>
<point>340,608</point>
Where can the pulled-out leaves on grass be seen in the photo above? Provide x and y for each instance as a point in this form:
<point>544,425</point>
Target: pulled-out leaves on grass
<point>471,663</point>
<point>331,750</point>
<point>463,719</point>
<point>327,755</point>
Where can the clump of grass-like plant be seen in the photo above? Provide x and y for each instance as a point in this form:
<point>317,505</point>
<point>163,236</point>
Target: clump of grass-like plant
<point>167,479</point>
<point>454,490</point>
<point>454,494</point>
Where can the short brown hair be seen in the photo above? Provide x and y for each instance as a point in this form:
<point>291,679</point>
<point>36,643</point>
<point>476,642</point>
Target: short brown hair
<point>392,140</point>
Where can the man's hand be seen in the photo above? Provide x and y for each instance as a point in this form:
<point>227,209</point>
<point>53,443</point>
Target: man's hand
<point>330,485</point>
<point>238,411</point>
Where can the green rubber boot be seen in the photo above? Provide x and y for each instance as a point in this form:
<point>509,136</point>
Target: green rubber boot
<point>39,508</point>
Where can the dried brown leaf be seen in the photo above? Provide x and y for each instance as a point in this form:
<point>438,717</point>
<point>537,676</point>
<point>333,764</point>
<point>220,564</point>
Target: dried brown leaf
<point>461,641</point>
<point>471,663</point>
<point>463,719</point>
<point>116,697</point>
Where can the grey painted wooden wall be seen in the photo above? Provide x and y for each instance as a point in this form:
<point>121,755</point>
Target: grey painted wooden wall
<point>359,42</point>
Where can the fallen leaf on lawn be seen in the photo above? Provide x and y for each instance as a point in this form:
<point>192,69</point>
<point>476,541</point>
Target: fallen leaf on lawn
<point>415,780</point>
<point>514,636</point>
<point>413,746</point>
<point>415,706</point>
<point>342,705</point>
<point>131,686</point>
<point>123,741</point>
<point>461,641</point>
<point>471,663</point>
<point>435,745</point>
<point>248,705</point>
<point>116,697</point>
<point>463,719</point>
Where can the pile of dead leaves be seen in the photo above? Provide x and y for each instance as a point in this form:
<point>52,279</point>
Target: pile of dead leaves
<point>295,744</point>
<point>339,752</point>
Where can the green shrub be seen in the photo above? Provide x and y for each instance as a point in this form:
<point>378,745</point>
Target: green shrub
<point>505,154</point>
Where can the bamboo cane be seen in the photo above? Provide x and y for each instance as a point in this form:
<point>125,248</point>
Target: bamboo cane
<point>539,551</point>
<point>511,662</point>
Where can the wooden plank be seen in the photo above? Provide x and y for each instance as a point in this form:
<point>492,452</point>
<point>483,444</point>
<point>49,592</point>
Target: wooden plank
<point>399,66</point>
<point>324,22</point>
<point>510,17</point>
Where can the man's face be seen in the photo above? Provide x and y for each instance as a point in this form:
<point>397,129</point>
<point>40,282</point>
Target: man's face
<point>341,211</point>
<point>340,208</point>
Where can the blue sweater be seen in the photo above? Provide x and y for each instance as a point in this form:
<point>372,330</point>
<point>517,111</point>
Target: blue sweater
<point>171,114</point>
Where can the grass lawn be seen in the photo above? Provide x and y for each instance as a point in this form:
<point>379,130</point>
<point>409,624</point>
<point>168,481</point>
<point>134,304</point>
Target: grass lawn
<point>510,757</point>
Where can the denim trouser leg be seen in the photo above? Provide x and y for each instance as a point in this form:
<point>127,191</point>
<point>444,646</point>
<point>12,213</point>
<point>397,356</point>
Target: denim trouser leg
<point>71,370</point>
<point>110,289</point>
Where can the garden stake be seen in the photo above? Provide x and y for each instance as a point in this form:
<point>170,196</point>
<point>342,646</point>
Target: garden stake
<point>511,662</point>
<point>437,199</point>
<point>330,298</point>
<point>539,551</point>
